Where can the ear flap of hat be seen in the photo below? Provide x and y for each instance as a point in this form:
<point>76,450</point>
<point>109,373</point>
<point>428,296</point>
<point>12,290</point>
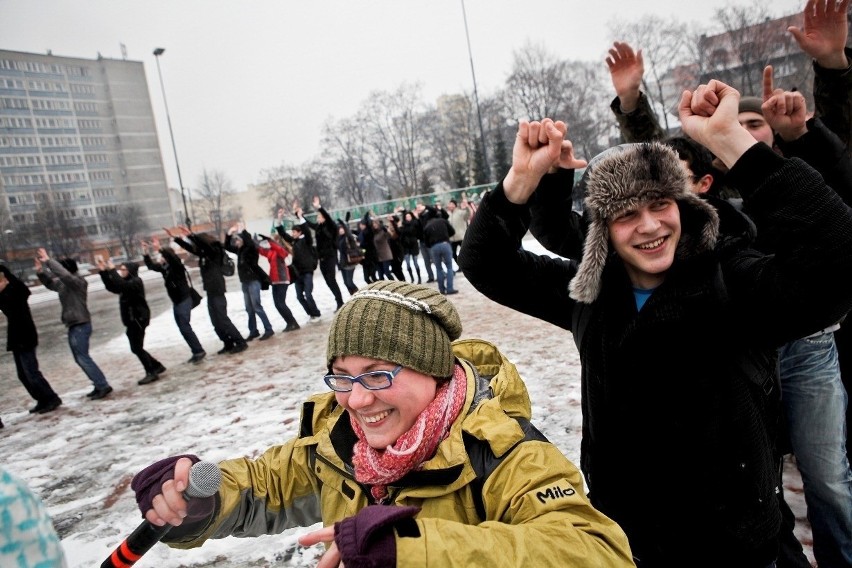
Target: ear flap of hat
<point>586,284</point>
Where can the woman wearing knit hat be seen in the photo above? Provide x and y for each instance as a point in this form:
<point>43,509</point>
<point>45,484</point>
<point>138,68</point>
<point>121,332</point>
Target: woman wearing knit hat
<point>422,455</point>
<point>677,324</point>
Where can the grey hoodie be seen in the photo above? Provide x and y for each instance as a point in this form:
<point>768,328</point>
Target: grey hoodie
<point>71,289</point>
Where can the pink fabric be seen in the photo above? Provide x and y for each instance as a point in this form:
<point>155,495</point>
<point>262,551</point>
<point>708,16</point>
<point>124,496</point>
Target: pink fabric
<point>382,467</point>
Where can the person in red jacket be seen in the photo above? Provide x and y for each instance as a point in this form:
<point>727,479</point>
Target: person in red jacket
<point>279,274</point>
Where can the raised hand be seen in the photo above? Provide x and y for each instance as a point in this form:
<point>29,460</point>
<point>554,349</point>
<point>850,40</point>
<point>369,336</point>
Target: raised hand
<point>538,147</point>
<point>626,68</point>
<point>824,35</point>
<point>784,111</point>
<point>42,255</point>
<point>709,116</point>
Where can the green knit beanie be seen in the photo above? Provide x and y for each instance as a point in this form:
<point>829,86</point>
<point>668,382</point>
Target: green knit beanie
<point>406,324</point>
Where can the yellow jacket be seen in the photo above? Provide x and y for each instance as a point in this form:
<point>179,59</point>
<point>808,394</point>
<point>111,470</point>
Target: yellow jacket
<point>496,493</point>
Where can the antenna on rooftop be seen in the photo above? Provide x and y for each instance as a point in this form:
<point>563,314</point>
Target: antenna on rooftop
<point>123,51</point>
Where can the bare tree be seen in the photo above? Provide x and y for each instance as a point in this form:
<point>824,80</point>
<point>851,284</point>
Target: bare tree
<point>347,155</point>
<point>213,190</point>
<point>664,46</point>
<point>127,223</point>
<point>398,153</point>
<point>57,229</point>
<point>537,87</point>
<point>450,130</point>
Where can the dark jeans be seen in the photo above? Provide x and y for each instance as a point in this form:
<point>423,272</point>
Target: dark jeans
<point>136,337</point>
<point>78,340</point>
<point>455,245</point>
<point>427,259</point>
<point>217,309</point>
<point>183,313</point>
<point>30,376</point>
<point>349,280</point>
<point>305,293</point>
<point>279,298</point>
<point>328,268</point>
<point>251,297</point>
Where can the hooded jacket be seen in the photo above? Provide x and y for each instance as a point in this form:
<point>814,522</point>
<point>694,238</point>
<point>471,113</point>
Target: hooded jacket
<point>131,295</point>
<point>72,290</point>
<point>695,479</point>
<point>496,492</point>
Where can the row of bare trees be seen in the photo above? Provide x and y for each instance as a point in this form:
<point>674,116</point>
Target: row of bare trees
<point>397,145</point>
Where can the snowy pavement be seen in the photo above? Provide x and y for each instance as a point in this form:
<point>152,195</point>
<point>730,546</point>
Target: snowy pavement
<point>80,458</point>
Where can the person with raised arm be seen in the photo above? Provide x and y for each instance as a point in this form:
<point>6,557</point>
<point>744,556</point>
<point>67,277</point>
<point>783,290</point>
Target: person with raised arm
<point>677,324</point>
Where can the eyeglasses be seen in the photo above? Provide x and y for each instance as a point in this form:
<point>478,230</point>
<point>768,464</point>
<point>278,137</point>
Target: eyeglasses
<point>372,380</point>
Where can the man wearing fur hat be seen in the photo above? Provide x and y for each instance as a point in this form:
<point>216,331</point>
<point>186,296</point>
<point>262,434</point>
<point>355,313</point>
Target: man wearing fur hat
<point>422,455</point>
<point>677,324</point>
<point>61,276</point>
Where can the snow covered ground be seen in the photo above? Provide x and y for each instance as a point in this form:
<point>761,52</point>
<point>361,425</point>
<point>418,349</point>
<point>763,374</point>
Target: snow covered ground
<point>80,459</point>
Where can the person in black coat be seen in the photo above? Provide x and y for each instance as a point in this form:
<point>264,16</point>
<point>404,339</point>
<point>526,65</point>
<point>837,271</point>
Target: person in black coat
<point>176,280</point>
<point>252,279</point>
<point>22,341</point>
<point>135,313</point>
<point>325,232</point>
<point>211,258</point>
<point>663,276</point>
<point>304,264</point>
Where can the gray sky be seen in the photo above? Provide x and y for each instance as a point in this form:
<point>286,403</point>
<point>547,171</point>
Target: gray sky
<point>250,83</point>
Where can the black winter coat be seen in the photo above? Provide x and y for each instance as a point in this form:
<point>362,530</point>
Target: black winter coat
<point>131,297</point>
<point>21,334</point>
<point>210,255</point>
<point>248,269</point>
<point>326,235</point>
<point>677,425</point>
<point>174,274</point>
<point>304,254</point>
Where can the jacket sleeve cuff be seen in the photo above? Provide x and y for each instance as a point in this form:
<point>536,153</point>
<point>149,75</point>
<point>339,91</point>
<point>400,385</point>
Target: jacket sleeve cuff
<point>753,167</point>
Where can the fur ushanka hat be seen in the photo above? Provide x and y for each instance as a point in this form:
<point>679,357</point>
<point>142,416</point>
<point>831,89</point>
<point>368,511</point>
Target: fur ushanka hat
<point>626,177</point>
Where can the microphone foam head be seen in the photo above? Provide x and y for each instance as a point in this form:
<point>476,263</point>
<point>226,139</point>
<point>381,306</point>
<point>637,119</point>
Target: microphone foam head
<point>204,480</point>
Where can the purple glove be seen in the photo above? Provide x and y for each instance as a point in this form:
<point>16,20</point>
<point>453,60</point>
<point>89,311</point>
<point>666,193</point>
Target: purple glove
<point>367,539</point>
<point>148,483</point>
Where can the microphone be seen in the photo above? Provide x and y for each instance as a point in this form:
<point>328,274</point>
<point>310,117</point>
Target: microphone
<point>204,480</point>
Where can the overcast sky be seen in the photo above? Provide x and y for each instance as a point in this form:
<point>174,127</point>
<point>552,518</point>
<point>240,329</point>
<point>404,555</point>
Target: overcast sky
<point>250,83</point>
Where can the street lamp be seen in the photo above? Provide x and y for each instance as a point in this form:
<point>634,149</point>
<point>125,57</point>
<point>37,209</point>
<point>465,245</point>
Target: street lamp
<point>475,93</point>
<point>157,53</point>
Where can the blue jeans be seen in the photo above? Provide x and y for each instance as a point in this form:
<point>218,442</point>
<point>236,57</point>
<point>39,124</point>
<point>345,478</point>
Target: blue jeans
<point>442,256</point>
<point>183,312</point>
<point>251,297</point>
<point>815,405</point>
<point>305,293</point>
<point>348,275</point>
<point>279,298</point>
<point>78,340</point>
<point>30,376</point>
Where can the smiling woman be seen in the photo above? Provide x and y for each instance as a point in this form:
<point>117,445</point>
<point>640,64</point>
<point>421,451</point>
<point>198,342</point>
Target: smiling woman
<point>423,449</point>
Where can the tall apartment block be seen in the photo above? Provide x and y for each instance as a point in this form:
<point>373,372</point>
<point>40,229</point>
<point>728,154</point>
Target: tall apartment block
<point>77,136</point>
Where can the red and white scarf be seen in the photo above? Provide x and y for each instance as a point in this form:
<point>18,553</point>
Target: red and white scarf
<point>379,468</point>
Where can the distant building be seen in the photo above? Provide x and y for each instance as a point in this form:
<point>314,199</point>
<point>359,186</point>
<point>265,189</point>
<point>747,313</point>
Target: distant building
<point>78,137</point>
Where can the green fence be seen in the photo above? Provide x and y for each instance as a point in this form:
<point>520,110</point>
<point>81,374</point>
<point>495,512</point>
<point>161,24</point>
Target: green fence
<point>381,208</point>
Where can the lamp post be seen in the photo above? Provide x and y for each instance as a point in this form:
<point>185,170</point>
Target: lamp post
<point>157,53</point>
<point>475,93</point>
